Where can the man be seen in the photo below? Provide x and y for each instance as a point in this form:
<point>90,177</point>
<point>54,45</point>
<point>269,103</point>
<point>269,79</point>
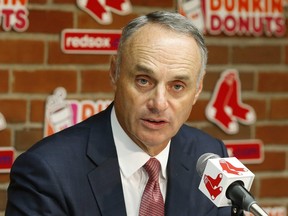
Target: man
<point>96,167</point>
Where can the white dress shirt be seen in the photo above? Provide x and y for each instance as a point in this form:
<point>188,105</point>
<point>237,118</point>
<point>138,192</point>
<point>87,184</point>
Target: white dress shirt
<point>131,160</point>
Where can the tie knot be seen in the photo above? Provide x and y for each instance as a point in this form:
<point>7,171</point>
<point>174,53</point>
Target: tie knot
<point>152,167</point>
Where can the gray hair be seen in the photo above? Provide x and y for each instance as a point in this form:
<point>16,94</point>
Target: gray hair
<point>170,20</point>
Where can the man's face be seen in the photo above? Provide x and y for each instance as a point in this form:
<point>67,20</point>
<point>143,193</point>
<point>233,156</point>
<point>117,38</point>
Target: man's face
<point>156,89</point>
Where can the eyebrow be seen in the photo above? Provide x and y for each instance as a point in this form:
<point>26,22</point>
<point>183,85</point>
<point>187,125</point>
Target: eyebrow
<point>147,70</point>
<point>144,69</point>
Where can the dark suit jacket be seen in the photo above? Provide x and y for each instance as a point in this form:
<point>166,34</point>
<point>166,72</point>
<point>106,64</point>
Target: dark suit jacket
<point>75,172</point>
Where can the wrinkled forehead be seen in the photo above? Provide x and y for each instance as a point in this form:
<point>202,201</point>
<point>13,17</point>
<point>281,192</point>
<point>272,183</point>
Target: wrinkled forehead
<point>149,30</point>
<point>154,33</point>
<point>157,47</point>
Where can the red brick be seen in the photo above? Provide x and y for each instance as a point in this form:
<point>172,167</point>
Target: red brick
<point>272,161</point>
<point>286,53</point>
<point>24,139</point>
<point>210,80</point>
<point>48,21</point>
<point>274,187</point>
<point>259,107</point>
<point>96,81</point>
<point>244,132</point>
<point>198,111</point>
<point>4,80</point>
<point>247,80</point>
<point>5,137</point>
<point>256,55</point>
<point>218,54</point>
<point>21,51</point>
<point>44,81</point>
<point>153,3</point>
<point>56,56</point>
<point>85,21</point>
<point>65,1</point>
<point>37,1</point>
<point>3,199</point>
<point>4,177</point>
<point>273,82</point>
<point>37,111</point>
<point>14,111</point>
<point>279,108</point>
<point>253,189</point>
<point>272,134</point>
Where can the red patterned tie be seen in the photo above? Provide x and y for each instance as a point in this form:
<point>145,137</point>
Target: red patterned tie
<point>152,203</point>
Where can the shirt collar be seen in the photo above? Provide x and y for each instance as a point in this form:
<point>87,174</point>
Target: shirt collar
<point>130,156</point>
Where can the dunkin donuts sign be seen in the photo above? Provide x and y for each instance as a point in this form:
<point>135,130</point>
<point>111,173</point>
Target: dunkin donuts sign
<point>253,17</point>
<point>237,17</point>
<point>14,15</point>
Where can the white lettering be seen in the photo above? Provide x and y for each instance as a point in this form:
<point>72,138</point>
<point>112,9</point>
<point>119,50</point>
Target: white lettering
<point>87,41</point>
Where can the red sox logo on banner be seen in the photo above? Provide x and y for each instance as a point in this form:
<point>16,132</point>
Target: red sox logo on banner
<point>225,108</point>
<point>90,41</point>
<point>101,10</point>
<point>252,17</point>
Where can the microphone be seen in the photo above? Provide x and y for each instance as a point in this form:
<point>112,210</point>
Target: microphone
<point>226,182</point>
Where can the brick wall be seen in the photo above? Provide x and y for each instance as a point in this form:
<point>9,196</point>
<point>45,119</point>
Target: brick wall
<point>32,66</point>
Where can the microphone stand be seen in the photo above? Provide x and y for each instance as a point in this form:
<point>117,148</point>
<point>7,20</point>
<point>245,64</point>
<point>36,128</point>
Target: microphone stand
<point>243,200</point>
<point>255,209</point>
<point>236,210</point>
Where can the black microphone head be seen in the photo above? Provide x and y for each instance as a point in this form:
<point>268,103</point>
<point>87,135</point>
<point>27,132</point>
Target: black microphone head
<point>202,162</point>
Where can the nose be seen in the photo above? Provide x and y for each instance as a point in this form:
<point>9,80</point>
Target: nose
<point>158,101</point>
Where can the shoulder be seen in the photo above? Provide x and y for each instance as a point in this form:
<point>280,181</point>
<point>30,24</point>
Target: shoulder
<point>200,142</point>
<point>69,145</point>
<point>75,136</point>
<point>196,135</point>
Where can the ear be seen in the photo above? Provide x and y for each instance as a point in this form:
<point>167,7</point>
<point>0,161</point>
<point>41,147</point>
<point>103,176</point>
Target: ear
<point>198,91</point>
<point>112,71</point>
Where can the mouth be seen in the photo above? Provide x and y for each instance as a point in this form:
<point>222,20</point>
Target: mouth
<point>154,123</point>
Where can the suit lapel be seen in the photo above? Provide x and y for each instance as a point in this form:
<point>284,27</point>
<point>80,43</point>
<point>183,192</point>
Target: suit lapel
<point>180,171</point>
<point>105,182</point>
<point>105,179</point>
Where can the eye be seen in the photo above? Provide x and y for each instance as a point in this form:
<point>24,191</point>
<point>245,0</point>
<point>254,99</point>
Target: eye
<point>142,81</point>
<point>178,87</point>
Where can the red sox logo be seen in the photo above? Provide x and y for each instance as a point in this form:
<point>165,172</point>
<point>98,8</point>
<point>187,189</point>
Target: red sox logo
<point>101,10</point>
<point>226,109</point>
<point>213,185</point>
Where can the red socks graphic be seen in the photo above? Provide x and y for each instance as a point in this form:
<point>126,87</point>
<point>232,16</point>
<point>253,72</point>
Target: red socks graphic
<point>225,107</point>
<point>212,185</point>
<point>96,10</point>
<point>119,6</point>
<point>229,168</point>
<point>100,10</point>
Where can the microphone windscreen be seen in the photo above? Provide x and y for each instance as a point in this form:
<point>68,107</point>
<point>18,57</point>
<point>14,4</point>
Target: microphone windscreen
<point>202,162</point>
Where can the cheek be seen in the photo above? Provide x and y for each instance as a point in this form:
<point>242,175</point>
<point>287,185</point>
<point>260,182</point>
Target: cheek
<point>185,113</point>
<point>129,101</point>
<point>183,109</point>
